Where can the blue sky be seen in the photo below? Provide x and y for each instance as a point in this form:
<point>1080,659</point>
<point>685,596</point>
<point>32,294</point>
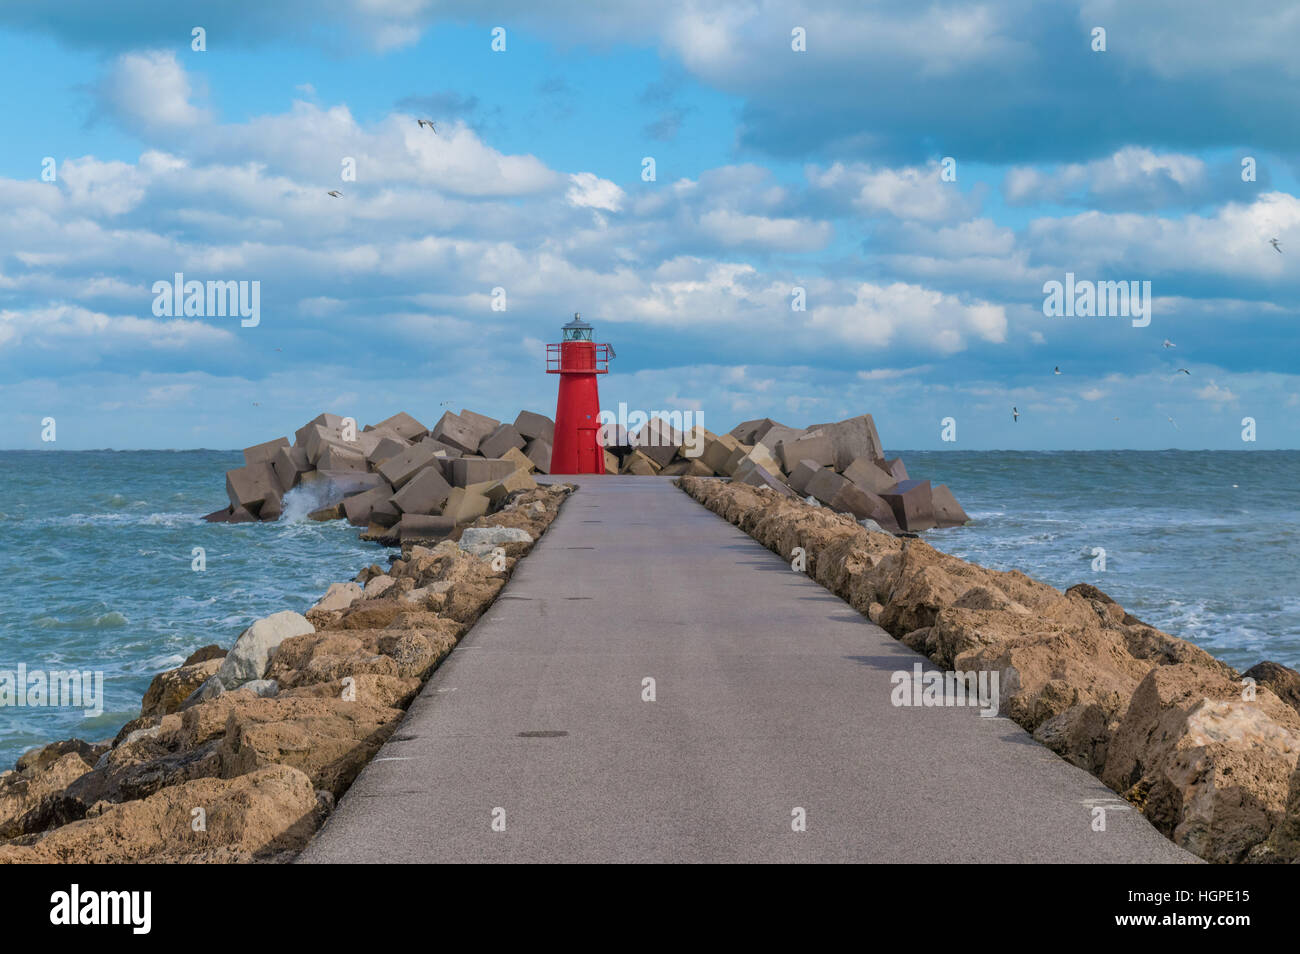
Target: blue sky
<point>775,169</point>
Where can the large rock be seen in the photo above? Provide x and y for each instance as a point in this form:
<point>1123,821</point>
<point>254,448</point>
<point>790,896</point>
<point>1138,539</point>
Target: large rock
<point>264,453</point>
<point>330,740</point>
<point>871,475</point>
<point>414,527</point>
<point>779,434</point>
<point>466,503</point>
<point>339,596</point>
<point>466,471</point>
<point>852,438</point>
<point>256,817</point>
<point>289,464</point>
<point>818,448</point>
<point>947,512</point>
<point>503,438</point>
<point>248,659</point>
<point>863,504</point>
<point>639,465</point>
<point>384,449</point>
<point>320,438</point>
<point>1282,681</point>
<point>331,422</point>
<point>457,432</point>
<point>533,426</point>
<point>539,452</point>
<point>804,471</point>
<point>756,475</point>
<point>342,459</point>
<point>249,486</point>
<point>912,504</point>
<point>171,688</point>
<point>659,441</point>
<point>717,451</point>
<point>403,425</point>
<point>360,508</point>
<point>424,493</point>
<point>751,432</point>
<point>22,793</point>
<point>400,468</point>
<point>498,491</point>
<point>1207,767</point>
<point>482,541</point>
<point>824,484</point>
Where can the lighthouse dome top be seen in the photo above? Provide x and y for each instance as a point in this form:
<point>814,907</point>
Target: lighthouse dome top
<point>577,329</point>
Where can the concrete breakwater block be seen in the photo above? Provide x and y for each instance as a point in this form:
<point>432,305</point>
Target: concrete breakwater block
<point>425,493</point>
<point>475,470</point>
<point>531,426</point>
<point>840,464</point>
<point>913,505</point>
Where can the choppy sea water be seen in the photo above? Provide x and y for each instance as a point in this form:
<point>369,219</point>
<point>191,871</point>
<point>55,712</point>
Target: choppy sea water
<point>96,549</point>
<point>1201,544</point>
<point>97,553</point>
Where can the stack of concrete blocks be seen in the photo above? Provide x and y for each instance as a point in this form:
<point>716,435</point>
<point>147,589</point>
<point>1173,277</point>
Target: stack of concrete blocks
<point>398,479</point>
<point>841,465</point>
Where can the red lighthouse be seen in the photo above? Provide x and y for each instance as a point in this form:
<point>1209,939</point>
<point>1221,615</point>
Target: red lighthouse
<point>577,360</point>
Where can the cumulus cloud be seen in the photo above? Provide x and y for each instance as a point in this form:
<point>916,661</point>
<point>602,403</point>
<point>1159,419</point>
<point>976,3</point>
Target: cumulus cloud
<point>592,192</point>
<point>149,92</point>
<point>1131,177</point>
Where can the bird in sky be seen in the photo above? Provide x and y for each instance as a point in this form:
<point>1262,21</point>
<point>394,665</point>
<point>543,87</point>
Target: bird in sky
<point>429,123</point>
<point>1276,247</point>
<point>335,193</point>
<point>1175,424</point>
<point>1057,369</point>
<point>1015,415</point>
<point>1117,418</point>
<point>1183,370</point>
<point>1168,344</point>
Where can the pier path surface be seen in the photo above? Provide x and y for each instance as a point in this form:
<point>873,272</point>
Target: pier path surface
<point>770,695</point>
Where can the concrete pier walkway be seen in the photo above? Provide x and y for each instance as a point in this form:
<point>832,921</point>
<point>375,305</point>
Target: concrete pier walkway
<point>771,695</point>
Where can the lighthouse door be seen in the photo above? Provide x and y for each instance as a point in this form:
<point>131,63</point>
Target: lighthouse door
<point>588,451</point>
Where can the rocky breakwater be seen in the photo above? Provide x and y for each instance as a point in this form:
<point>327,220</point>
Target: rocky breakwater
<point>840,465</point>
<point>1208,754</point>
<point>398,479</point>
<point>239,755</point>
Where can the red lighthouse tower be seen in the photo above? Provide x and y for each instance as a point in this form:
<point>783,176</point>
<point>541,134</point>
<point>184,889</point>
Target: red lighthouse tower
<point>577,360</point>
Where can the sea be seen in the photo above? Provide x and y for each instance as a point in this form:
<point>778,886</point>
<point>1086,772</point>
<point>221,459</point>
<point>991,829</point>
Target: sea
<point>101,553</point>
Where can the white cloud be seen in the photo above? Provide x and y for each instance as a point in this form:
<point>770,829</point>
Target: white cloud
<point>149,91</point>
<point>592,192</point>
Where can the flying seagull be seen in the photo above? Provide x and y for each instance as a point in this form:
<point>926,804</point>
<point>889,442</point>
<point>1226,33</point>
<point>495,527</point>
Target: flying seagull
<point>1175,424</point>
<point>1015,415</point>
<point>1183,370</point>
<point>1168,344</point>
<point>335,193</point>
<point>1057,369</point>
<point>427,122</point>
<point>1276,247</point>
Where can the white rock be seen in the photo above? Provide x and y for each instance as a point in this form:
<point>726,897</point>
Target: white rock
<point>378,586</point>
<point>493,536</point>
<point>262,687</point>
<point>339,596</point>
<point>253,649</point>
